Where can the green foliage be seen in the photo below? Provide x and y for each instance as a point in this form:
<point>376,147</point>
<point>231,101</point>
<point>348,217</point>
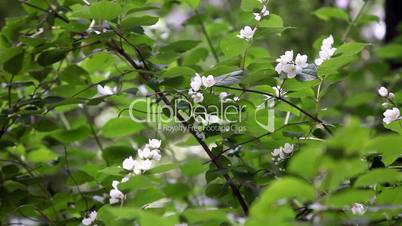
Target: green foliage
<point>86,85</point>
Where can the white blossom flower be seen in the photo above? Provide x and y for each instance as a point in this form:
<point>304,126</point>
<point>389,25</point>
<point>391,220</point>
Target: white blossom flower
<point>223,96</point>
<point>106,90</point>
<point>196,82</point>
<point>129,163</point>
<point>208,81</point>
<point>90,219</point>
<point>198,97</point>
<point>391,115</point>
<point>292,70</point>
<point>276,152</point>
<point>288,148</point>
<point>144,165</point>
<point>290,67</point>
<point>144,153</point>
<point>156,155</point>
<point>391,95</point>
<point>383,91</point>
<point>358,209</point>
<point>247,33</point>
<point>115,194</point>
<point>236,98</point>
<point>327,51</point>
<point>154,143</point>
<point>260,15</point>
<point>301,61</point>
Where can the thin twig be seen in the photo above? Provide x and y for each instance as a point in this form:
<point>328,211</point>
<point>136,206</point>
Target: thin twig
<point>67,168</point>
<point>283,100</point>
<point>351,24</point>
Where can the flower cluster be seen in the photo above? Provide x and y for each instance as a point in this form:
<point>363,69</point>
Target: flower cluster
<point>392,114</point>
<point>382,91</point>
<point>279,154</point>
<point>196,83</point>
<point>136,166</point>
<point>264,12</point>
<point>90,219</point>
<point>145,156</point>
<point>247,33</point>
<point>327,50</point>
<point>291,67</point>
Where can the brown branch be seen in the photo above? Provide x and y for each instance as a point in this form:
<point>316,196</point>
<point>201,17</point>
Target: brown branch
<point>113,45</point>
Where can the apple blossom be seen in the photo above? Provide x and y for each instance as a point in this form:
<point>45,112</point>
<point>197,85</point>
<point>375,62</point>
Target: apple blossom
<point>247,33</point>
<point>383,91</point>
<point>197,97</point>
<point>90,219</point>
<point>115,194</point>
<point>391,115</point>
<point>106,90</point>
<point>208,81</point>
<point>154,143</point>
<point>288,148</point>
<point>358,209</point>
<point>290,67</point>
<point>129,164</point>
<point>327,51</point>
<point>260,15</point>
<point>196,82</point>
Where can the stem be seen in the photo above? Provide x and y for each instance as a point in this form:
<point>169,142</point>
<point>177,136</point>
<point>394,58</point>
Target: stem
<point>9,91</point>
<point>211,46</point>
<point>162,96</point>
<point>255,139</point>
<point>349,28</point>
<point>243,60</point>
<point>97,140</point>
<point>67,167</point>
<point>283,100</point>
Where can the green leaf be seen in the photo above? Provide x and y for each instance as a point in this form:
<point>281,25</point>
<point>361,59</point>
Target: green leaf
<point>379,176</point>
<point>15,63</point>
<point>250,5</point>
<point>389,146</point>
<point>116,154</point>
<point>231,45</point>
<point>180,46</point>
<point>51,56</point>
<point>331,66</point>
<point>104,10</point>
<point>74,74</point>
<point>350,49</point>
<point>326,13</point>
<point>131,22</point>
<point>179,71</point>
<point>390,51</point>
<point>348,197</point>
<point>282,188</point>
<point>272,21</point>
<point>41,155</point>
<point>192,3</point>
<point>305,162</point>
<point>193,167</point>
<point>72,135</point>
<point>118,127</point>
